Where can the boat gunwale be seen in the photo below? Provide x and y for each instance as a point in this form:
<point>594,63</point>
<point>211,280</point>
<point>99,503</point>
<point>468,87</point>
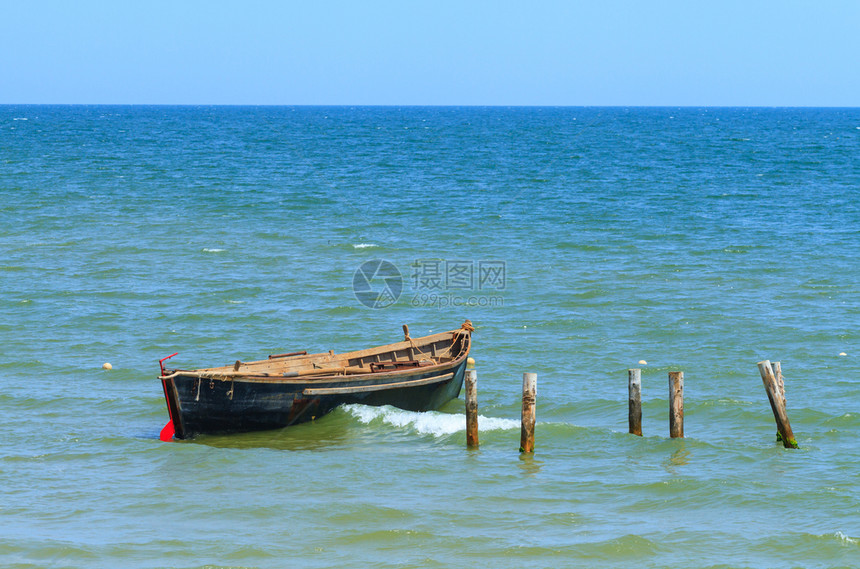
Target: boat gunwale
<point>230,375</point>
<point>346,389</point>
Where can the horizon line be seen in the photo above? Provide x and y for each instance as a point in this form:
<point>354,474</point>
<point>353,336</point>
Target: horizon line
<point>421,105</point>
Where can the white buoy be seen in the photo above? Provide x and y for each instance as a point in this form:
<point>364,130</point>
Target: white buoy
<point>107,366</point>
<point>643,362</point>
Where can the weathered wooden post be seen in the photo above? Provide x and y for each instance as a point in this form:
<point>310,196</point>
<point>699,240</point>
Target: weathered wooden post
<point>780,384</point>
<point>777,405</point>
<point>780,380</point>
<point>527,433</point>
<point>634,407</point>
<point>471,408</point>
<point>676,404</point>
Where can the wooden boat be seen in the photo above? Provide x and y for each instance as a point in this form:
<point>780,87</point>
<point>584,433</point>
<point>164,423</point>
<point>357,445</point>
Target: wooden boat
<point>415,374</point>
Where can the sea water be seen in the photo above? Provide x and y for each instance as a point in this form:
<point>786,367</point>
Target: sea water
<point>580,242</point>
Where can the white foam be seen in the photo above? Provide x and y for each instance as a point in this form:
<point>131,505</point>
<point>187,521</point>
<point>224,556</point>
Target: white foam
<point>364,245</point>
<point>426,423</point>
<point>845,539</point>
<point>213,250</point>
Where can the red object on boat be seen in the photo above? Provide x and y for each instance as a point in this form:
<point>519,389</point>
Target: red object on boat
<point>167,432</point>
<point>161,361</point>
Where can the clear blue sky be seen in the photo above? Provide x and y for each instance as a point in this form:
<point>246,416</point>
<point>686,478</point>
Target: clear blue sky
<point>405,52</point>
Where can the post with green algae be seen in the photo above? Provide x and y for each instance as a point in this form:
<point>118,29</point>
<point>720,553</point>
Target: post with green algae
<point>676,404</point>
<point>777,403</point>
<point>634,407</point>
<point>527,432</point>
<point>471,408</point>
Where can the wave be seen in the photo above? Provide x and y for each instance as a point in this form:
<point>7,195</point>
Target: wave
<point>206,250</point>
<point>364,245</point>
<point>426,423</point>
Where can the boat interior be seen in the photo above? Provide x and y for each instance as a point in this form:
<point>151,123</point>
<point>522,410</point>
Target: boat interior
<point>410,353</point>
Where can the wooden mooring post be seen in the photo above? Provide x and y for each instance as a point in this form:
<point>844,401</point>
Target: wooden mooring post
<point>780,380</point>
<point>676,404</point>
<point>777,402</point>
<point>634,408</point>
<point>471,408</point>
<point>780,383</point>
<point>527,433</point>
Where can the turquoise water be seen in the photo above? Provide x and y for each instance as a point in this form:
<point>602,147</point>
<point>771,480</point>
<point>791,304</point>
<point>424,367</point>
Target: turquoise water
<point>579,241</point>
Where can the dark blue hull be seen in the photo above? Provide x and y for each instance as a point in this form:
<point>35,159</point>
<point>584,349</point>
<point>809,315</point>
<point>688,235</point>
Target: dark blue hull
<point>200,405</point>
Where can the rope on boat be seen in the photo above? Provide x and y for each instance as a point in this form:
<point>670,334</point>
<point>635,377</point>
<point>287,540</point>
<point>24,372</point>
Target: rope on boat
<point>465,327</point>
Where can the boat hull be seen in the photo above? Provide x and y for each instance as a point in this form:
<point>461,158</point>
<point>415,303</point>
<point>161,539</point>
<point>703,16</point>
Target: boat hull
<point>221,405</point>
